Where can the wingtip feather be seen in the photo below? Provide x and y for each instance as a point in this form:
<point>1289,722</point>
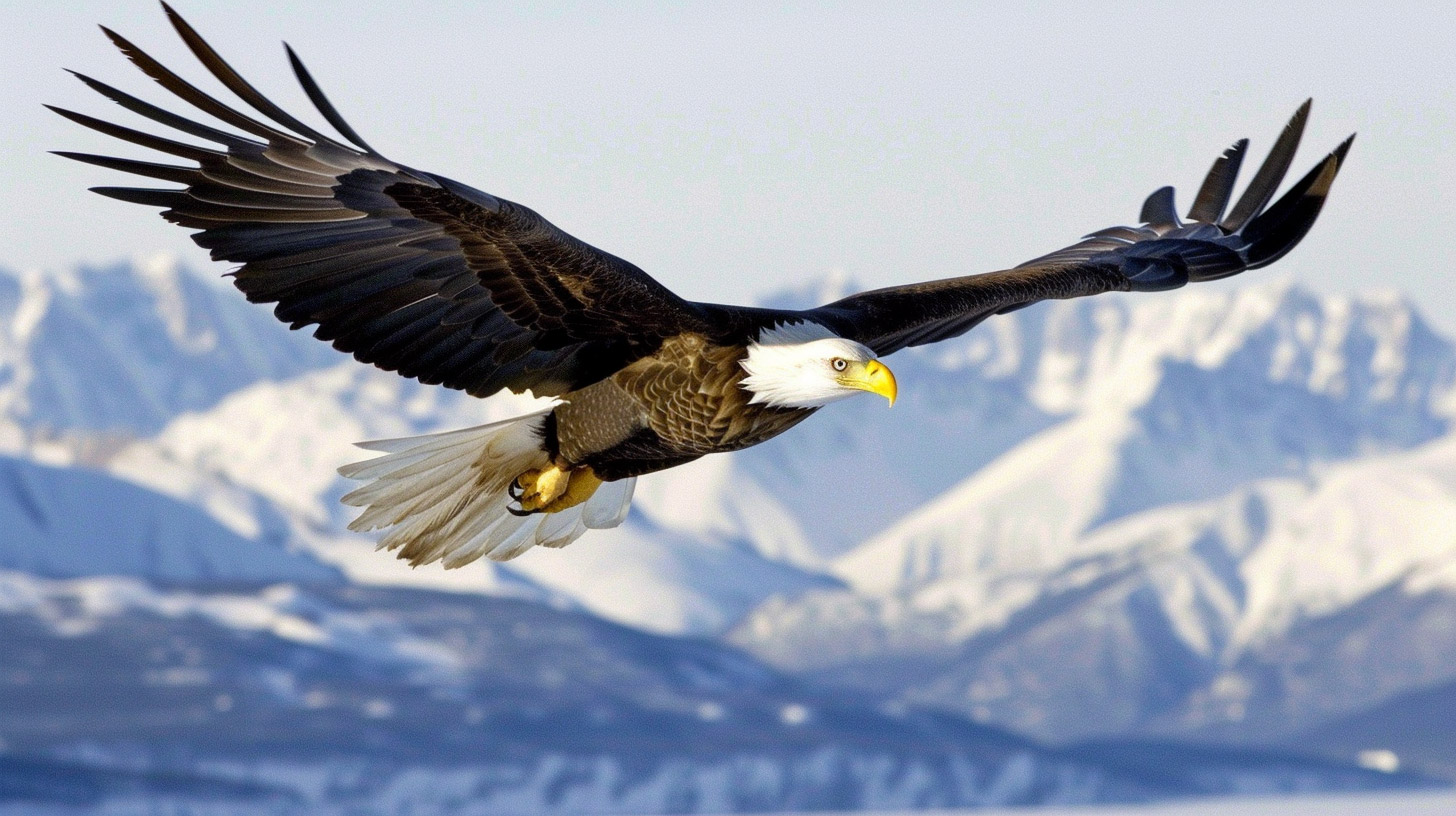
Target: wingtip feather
<point>136,137</point>
<point>175,18</point>
<point>1269,175</point>
<point>1160,208</point>
<point>240,87</point>
<point>1280,228</point>
<point>1344,147</point>
<point>1218,186</point>
<point>321,101</point>
<point>138,195</point>
<point>125,46</point>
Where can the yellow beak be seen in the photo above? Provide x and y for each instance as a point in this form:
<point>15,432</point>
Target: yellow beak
<point>878,379</point>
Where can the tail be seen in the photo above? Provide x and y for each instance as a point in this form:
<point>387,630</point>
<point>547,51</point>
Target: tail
<point>444,496</point>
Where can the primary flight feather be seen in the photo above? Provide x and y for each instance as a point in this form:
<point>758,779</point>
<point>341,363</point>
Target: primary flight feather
<point>441,282</point>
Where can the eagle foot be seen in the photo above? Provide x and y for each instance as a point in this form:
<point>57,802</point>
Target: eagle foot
<point>552,489</point>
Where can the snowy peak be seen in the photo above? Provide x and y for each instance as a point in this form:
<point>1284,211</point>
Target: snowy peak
<point>660,579</point>
<point>1252,382</point>
<point>1175,400</point>
<point>1011,517</point>
<point>286,439</point>
<point>963,486</point>
<point>1215,473</point>
<point>1284,601</point>
<point>127,347</point>
<point>1153,488</point>
<point>1357,528</point>
<point>1108,351</point>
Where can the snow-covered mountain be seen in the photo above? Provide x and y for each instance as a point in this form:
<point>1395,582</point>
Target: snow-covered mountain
<point>1184,618</point>
<point>126,348</point>
<point>1218,476</point>
<point>1158,400</point>
<point>1175,494</point>
<point>173,382</point>
<point>65,522</point>
<point>1202,390</point>
<point>370,700</point>
<point>276,446</point>
<point>1176,398</point>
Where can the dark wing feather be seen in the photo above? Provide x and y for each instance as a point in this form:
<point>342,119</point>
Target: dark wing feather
<point>1218,186</point>
<point>1163,253</point>
<point>404,269</point>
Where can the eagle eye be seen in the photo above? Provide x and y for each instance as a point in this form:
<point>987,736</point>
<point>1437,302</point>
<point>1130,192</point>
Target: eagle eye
<point>839,363</point>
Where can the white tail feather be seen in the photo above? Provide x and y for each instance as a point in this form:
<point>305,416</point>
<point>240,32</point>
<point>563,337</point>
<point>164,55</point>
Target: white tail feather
<point>443,496</point>
<point>608,506</point>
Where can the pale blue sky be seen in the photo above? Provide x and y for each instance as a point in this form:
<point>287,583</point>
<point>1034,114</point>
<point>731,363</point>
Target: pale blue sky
<point>730,149</point>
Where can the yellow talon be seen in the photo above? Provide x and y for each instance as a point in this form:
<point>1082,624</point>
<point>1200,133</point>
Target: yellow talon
<point>556,488</point>
<point>582,485</point>
<point>541,487</point>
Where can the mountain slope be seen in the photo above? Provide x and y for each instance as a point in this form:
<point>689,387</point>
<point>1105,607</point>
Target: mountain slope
<point>270,452</point>
<point>1414,726</point>
<point>1264,380</point>
<point>126,348</point>
<point>63,522</point>
<point>1140,393</point>
<point>1284,603</point>
<point>384,700</point>
<point>1124,479</point>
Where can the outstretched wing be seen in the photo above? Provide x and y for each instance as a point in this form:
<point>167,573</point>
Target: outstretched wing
<point>404,269</point>
<point>1164,253</point>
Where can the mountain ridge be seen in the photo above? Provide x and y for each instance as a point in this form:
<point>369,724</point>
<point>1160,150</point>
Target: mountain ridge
<point>1116,459</point>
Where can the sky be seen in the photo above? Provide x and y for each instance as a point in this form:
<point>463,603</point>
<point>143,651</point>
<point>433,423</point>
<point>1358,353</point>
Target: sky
<point>733,149</point>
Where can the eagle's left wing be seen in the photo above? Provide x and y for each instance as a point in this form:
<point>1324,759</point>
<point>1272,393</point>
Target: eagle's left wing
<point>402,268</point>
<point>1165,252</point>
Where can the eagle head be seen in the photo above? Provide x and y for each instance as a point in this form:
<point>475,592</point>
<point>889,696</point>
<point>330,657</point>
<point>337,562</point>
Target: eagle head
<point>805,365</point>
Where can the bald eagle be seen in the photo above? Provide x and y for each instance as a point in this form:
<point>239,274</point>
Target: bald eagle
<point>422,275</point>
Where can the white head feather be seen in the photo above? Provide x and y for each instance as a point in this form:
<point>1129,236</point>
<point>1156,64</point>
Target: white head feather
<point>791,365</point>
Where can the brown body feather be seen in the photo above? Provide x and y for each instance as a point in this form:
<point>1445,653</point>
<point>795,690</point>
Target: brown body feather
<point>680,403</point>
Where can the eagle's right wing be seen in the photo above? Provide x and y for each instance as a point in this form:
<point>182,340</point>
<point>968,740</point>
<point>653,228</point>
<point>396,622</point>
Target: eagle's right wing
<point>404,269</point>
<point>1165,252</point>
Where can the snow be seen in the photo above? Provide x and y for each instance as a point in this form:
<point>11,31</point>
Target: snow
<point>76,606</point>
<point>1192,592</point>
<point>162,274</point>
<point>1012,446</point>
<point>1239,462</point>
<point>961,494</point>
<point>1360,527</point>
<point>712,498</point>
<point>1011,516</point>
<point>66,522</point>
<point>125,348</point>
<point>1213,392</point>
<point>286,440</point>
<point>1426,803</point>
<point>1230,572</point>
<point>266,456</point>
<point>656,578</point>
